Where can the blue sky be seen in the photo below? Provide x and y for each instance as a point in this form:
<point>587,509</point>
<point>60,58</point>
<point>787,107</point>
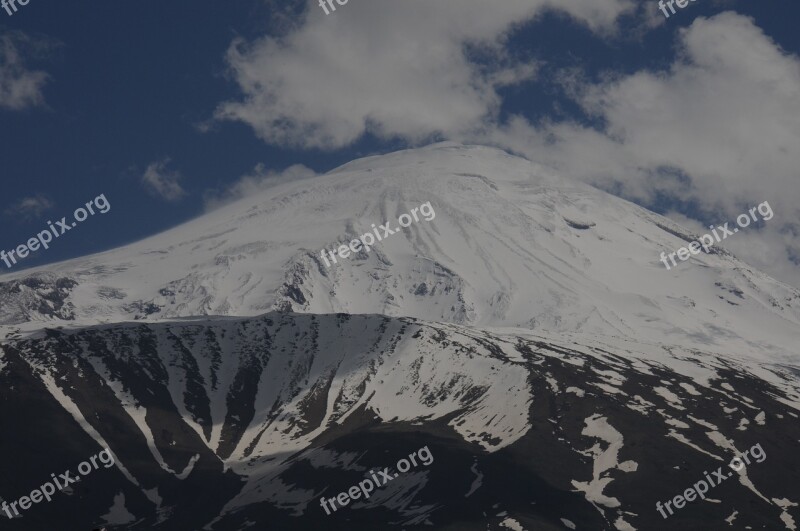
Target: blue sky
<point>162,107</point>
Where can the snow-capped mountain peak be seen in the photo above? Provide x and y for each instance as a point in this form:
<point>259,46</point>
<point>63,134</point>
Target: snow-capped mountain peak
<point>512,245</point>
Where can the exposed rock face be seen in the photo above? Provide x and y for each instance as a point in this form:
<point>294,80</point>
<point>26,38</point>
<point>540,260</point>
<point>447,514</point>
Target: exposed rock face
<point>219,423</point>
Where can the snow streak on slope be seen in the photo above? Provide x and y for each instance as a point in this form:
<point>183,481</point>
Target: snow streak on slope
<point>512,244</point>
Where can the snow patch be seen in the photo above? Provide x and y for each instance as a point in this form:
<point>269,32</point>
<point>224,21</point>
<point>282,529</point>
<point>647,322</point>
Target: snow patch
<point>118,514</point>
<point>510,523</point>
<point>598,427</point>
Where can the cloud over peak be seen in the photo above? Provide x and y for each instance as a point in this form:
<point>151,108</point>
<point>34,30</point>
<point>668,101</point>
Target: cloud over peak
<point>718,129</point>
<point>393,69</point>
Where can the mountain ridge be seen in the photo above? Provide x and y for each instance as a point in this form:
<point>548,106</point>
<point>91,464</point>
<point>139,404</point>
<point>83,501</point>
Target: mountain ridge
<point>250,403</point>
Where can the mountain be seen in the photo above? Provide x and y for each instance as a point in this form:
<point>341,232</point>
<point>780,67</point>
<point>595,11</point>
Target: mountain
<point>512,244</point>
<point>526,335</point>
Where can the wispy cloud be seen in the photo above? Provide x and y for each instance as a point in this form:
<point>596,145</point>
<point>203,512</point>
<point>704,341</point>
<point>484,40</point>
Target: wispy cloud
<point>30,207</point>
<point>20,87</point>
<point>260,178</point>
<point>163,183</point>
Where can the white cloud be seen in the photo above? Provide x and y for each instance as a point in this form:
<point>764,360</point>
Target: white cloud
<point>20,87</point>
<point>30,207</point>
<point>259,179</point>
<point>391,68</point>
<point>163,183</point>
<point>719,129</point>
